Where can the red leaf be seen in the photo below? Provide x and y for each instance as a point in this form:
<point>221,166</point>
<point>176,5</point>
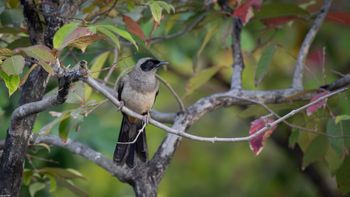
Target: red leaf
<point>245,10</point>
<point>339,17</point>
<point>315,60</point>
<point>133,27</point>
<point>321,104</point>
<point>273,22</point>
<point>257,143</point>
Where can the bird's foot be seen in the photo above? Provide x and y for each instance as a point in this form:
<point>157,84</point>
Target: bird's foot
<point>146,118</point>
<point>121,105</point>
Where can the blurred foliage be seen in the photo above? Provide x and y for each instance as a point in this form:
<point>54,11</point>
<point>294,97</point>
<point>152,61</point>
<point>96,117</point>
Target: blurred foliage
<point>106,33</point>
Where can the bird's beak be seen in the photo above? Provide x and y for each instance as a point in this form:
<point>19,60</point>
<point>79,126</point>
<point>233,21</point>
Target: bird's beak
<point>161,63</point>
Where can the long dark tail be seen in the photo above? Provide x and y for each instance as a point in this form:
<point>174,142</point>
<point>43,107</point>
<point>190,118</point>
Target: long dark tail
<point>125,153</point>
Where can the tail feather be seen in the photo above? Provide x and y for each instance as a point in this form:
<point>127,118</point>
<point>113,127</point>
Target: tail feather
<point>125,153</point>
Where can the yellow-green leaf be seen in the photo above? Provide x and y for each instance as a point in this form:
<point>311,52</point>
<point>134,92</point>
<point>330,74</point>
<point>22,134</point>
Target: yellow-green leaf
<point>109,34</point>
<point>62,33</point>
<point>13,65</point>
<point>122,33</point>
<point>201,78</point>
<point>42,54</point>
<point>35,187</point>
<point>6,52</point>
<point>63,129</point>
<point>12,82</point>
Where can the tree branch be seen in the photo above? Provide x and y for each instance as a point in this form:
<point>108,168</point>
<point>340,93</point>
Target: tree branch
<point>238,64</point>
<point>305,47</point>
<point>123,174</point>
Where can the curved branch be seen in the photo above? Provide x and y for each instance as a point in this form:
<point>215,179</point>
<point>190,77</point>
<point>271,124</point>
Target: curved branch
<point>121,173</point>
<point>305,47</point>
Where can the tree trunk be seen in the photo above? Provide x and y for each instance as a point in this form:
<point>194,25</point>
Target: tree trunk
<point>13,157</point>
<point>145,188</point>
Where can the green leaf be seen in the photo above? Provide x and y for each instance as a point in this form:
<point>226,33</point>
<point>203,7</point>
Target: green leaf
<point>53,183</point>
<point>334,160</point>
<point>157,8</point>
<point>122,33</point>
<point>27,176</point>
<point>12,82</point>
<point>6,52</point>
<point>13,65</point>
<point>315,151</point>
<point>73,188</point>
<point>47,147</point>
<point>62,33</point>
<point>293,138</point>
<point>95,69</point>
<point>343,176</point>
<point>337,143</point>
<point>62,173</point>
<point>263,64</point>
<point>11,17</point>
<point>341,118</point>
<point>273,10</point>
<point>63,129</point>
<point>201,78</point>
<point>109,34</point>
<point>42,54</point>
<point>156,11</point>
<point>35,187</point>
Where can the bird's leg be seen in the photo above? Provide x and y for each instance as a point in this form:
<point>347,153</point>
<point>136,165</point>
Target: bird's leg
<point>121,105</point>
<point>146,117</point>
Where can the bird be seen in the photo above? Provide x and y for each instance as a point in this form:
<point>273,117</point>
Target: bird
<point>137,90</point>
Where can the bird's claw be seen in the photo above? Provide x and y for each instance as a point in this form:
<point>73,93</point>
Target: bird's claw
<point>121,105</point>
<point>146,118</point>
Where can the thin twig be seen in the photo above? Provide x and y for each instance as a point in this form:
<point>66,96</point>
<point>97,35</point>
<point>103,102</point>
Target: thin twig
<point>114,65</point>
<point>305,47</point>
<point>137,136</point>
<point>178,99</point>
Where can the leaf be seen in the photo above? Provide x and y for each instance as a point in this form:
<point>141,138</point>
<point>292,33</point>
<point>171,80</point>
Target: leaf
<point>263,64</point>
<point>274,10</point>
<point>343,176</point>
<point>12,82</point>
<point>339,17</point>
<point>63,173</point>
<point>278,21</point>
<point>315,151</point>
<point>133,27</point>
<point>47,147</point>
<point>122,33</point>
<point>63,129</point>
<point>245,10</point>
<point>35,187</point>
<point>321,104</point>
<point>62,33</point>
<point>293,138</point>
<point>27,176</point>
<point>79,33</point>
<point>157,8</point>
<point>337,143</point>
<point>95,69</point>
<point>257,144</point>
<point>201,78</point>
<point>333,160</point>
<point>42,54</point>
<point>6,52</point>
<point>76,190</point>
<point>109,34</point>
<point>156,11</point>
<point>13,65</point>
<point>341,118</point>
<point>83,42</point>
<point>53,183</point>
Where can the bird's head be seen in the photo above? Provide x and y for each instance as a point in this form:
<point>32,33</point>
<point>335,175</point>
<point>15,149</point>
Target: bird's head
<point>149,64</point>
